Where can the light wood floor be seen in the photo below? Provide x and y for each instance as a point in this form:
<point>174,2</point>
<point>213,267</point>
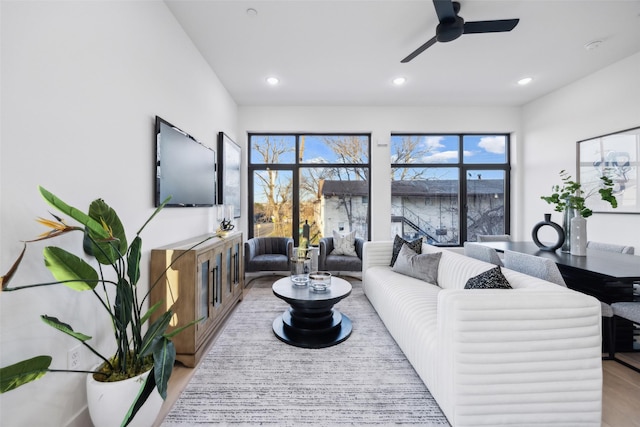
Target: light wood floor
<point>620,401</point>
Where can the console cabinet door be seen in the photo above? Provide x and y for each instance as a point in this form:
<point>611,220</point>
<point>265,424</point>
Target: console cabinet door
<point>205,272</point>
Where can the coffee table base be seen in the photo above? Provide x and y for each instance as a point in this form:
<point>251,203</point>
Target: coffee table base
<point>333,332</point>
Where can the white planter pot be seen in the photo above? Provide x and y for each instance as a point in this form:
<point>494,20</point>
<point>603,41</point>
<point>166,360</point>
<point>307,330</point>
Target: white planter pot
<point>109,402</point>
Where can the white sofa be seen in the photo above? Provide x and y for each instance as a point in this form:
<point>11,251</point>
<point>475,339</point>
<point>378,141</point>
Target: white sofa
<point>528,356</point>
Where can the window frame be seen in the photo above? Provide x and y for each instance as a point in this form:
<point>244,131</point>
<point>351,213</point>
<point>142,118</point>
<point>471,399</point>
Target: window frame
<point>296,167</point>
<point>463,168</point>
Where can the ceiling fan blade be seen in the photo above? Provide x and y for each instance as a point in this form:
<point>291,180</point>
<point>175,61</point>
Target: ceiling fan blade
<point>444,10</point>
<point>419,50</point>
<point>496,26</point>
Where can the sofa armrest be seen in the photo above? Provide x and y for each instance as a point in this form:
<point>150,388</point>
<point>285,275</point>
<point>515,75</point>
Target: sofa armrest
<point>376,253</point>
<point>326,246</point>
<point>518,351</point>
<point>289,250</point>
<point>359,244</point>
<point>249,250</point>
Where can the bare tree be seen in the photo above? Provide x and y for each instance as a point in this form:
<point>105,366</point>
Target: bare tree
<point>277,194</point>
<point>411,150</point>
<point>351,151</point>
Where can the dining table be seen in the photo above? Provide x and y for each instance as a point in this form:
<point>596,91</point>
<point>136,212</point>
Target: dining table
<point>609,276</point>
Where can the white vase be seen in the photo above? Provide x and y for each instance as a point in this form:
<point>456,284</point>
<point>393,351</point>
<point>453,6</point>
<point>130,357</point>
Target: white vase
<point>109,402</point>
<point>578,236</point>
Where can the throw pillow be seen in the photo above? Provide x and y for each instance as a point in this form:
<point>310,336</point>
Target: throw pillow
<point>415,246</point>
<point>490,279</point>
<point>344,244</point>
<point>420,266</point>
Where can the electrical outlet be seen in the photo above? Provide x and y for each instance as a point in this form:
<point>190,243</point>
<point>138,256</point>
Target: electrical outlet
<point>73,358</point>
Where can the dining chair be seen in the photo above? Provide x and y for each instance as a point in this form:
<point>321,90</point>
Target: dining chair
<point>542,268</point>
<point>493,237</point>
<point>547,269</point>
<point>629,311</point>
<point>483,253</point>
<point>607,311</point>
<point>610,247</point>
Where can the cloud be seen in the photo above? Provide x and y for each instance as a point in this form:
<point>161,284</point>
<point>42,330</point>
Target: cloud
<point>441,157</point>
<point>493,144</point>
<point>433,142</point>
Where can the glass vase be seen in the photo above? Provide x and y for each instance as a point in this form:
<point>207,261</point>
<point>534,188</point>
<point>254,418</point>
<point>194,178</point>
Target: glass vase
<point>569,213</point>
<point>300,266</point>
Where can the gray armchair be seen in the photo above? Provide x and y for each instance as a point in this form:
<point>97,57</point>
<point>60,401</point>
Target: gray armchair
<point>267,254</point>
<point>339,263</point>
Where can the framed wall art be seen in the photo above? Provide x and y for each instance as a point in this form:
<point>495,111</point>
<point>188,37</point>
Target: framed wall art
<point>615,155</point>
<point>229,159</point>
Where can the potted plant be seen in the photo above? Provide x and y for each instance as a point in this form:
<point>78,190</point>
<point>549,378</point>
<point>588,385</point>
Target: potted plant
<point>570,195</point>
<point>136,353</point>
<point>570,198</point>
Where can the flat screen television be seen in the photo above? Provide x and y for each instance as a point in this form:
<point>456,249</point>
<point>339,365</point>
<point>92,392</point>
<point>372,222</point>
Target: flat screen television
<point>185,168</point>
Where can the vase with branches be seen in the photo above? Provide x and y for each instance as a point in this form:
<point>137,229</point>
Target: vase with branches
<point>570,198</point>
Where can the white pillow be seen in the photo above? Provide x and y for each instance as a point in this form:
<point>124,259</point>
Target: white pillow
<point>344,244</point>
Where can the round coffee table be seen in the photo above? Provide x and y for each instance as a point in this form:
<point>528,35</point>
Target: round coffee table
<point>311,321</point>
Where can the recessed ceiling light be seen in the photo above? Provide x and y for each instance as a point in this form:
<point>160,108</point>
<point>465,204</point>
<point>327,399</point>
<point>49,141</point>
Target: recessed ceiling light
<point>252,12</point>
<point>525,81</point>
<point>273,80</point>
<point>399,81</point>
<point>593,45</point>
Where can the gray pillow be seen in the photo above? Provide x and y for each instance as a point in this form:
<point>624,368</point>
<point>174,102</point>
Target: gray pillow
<point>490,279</point>
<point>420,266</point>
<point>415,245</point>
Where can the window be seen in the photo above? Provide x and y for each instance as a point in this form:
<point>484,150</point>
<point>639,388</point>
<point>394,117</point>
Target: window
<point>307,185</point>
<point>448,188</point>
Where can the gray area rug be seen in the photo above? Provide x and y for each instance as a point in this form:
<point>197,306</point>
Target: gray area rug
<point>251,378</point>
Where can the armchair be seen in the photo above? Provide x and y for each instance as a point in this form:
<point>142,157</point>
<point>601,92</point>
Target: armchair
<point>267,254</point>
<point>339,263</point>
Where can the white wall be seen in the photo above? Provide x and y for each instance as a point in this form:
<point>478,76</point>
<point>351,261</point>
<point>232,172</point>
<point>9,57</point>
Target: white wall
<point>604,102</point>
<point>81,85</point>
<point>380,122</point>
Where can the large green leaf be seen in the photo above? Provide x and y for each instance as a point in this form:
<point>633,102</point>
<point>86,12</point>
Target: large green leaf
<point>123,305</point>
<point>156,329</point>
<point>13,376</point>
<point>163,358</point>
<point>133,260</point>
<point>106,252</point>
<point>64,327</point>
<point>70,269</point>
<point>145,391</point>
<point>78,215</point>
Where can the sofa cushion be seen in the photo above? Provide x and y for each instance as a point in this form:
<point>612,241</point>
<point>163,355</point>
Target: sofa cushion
<point>490,279</point>
<point>420,266</point>
<point>415,245</point>
<point>344,244</point>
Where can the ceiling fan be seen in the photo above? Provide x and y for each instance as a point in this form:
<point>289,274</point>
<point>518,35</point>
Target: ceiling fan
<point>452,26</point>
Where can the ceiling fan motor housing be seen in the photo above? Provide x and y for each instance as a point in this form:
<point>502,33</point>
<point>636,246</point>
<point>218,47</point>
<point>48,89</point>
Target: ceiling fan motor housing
<point>450,30</point>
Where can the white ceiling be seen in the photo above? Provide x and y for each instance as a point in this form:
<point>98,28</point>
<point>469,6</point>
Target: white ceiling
<point>346,52</point>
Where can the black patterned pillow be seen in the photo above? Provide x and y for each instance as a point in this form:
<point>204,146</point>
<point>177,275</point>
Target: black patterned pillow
<point>415,246</point>
<point>490,279</point>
